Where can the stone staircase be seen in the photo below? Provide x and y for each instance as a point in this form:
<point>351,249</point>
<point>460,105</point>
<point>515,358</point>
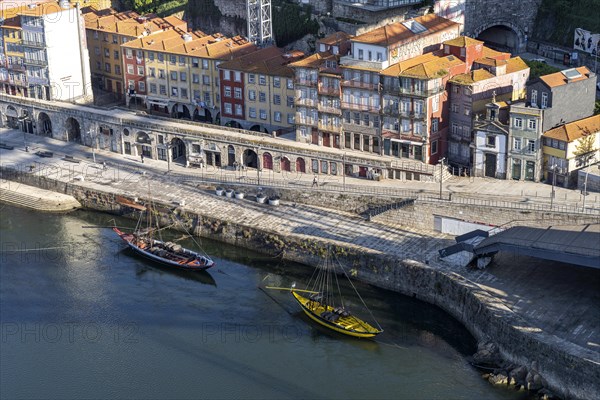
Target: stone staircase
<point>40,203</point>
<point>373,211</point>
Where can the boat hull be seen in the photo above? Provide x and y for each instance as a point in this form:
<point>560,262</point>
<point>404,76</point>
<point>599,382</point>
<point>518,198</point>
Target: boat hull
<point>193,262</point>
<point>350,325</point>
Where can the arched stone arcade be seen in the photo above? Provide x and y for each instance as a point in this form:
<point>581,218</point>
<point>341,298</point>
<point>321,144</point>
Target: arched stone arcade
<point>73,130</point>
<point>502,36</point>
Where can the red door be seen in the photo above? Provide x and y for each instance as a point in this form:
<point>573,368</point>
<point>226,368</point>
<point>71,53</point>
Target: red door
<point>315,136</point>
<point>267,161</point>
<point>285,164</point>
<point>326,139</point>
<point>362,172</point>
<point>300,165</point>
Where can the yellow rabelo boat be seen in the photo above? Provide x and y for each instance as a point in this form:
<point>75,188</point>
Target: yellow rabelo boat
<point>336,318</point>
<point>323,303</point>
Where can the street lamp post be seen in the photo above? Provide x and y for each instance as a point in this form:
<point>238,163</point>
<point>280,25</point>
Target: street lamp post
<point>257,167</point>
<point>553,183</point>
<point>441,175</point>
<point>90,132</point>
<point>344,172</point>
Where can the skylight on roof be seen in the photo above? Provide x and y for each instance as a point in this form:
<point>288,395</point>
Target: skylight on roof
<point>414,27</point>
<point>571,73</point>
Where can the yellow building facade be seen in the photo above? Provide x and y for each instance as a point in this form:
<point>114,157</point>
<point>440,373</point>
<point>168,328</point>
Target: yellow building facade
<point>181,77</point>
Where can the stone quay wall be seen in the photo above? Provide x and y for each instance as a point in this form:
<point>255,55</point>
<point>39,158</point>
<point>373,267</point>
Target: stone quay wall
<point>567,369</point>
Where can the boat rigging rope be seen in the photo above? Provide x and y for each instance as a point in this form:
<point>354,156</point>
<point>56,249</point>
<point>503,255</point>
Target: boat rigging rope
<point>359,296</point>
<point>338,285</point>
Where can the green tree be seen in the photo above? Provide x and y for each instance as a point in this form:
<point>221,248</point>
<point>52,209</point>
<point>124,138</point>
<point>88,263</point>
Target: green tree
<point>585,151</point>
<point>538,69</point>
<point>597,107</point>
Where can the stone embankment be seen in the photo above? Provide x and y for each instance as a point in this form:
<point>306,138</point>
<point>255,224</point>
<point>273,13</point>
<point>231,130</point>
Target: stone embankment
<point>21,195</point>
<point>402,260</point>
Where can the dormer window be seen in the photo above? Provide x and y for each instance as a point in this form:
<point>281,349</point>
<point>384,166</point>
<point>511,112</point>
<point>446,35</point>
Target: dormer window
<point>446,49</point>
<point>463,52</point>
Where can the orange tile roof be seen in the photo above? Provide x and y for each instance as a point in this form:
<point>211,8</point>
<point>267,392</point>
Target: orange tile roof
<point>335,38</point>
<point>432,68</point>
<point>315,60</point>
<point>397,32</point>
<point>492,62</point>
<point>471,77</point>
<point>130,23</point>
<point>515,64</point>
<point>268,61</point>
<point>462,41</point>
<point>172,41</point>
<point>575,130</point>
<point>559,79</point>
<point>399,67</point>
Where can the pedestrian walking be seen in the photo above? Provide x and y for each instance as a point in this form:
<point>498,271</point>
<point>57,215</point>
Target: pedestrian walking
<point>104,165</point>
<point>315,183</point>
<point>142,155</point>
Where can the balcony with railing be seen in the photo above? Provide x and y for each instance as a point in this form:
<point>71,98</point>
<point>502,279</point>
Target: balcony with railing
<point>393,110</point>
<point>305,120</point>
<point>329,127</point>
<point>304,81</point>
<point>305,101</point>
<point>360,128</point>
<point>33,43</point>
<point>328,90</point>
<point>422,93</point>
<point>360,107</point>
<point>390,89</point>
<point>329,109</point>
<point>31,61</point>
<point>418,115</point>
<point>360,84</point>
<point>15,67</point>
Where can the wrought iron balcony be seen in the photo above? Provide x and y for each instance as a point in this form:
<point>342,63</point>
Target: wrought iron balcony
<point>328,90</point>
<point>366,129</point>
<point>32,43</point>
<point>305,81</point>
<point>360,84</point>
<point>329,109</point>
<point>360,107</point>
<point>35,62</point>
<point>330,128</point>
<point>422,93</point>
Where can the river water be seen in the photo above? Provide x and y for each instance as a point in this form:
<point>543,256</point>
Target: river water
<point>81,317</point>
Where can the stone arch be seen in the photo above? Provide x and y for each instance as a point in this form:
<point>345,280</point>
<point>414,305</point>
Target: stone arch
<point>514,39</point>
<point>178,151</point>
<point>143,137</point>
<point>285,164</point>
<point>73,129</point>
<point>267,160</point>
<point>202,114</point>
<point>106,137</point>
<point>231,156</point>
<point>234,124</point>
<point>250,158</point>
<point>259,128</point>
<point>12,117</point>
<point>300,165</point>
<point>44,125</point>
<point>181,111</point>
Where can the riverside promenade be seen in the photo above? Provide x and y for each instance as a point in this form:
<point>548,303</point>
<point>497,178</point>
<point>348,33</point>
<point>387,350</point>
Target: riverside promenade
<point>556,304</point>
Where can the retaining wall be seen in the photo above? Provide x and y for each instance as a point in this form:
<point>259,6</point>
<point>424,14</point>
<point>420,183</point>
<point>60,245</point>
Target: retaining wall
<point>567,369</point>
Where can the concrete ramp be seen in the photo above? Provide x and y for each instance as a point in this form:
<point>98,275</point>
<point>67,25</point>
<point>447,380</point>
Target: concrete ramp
<point>17,194</point>
<point>577,244</point>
